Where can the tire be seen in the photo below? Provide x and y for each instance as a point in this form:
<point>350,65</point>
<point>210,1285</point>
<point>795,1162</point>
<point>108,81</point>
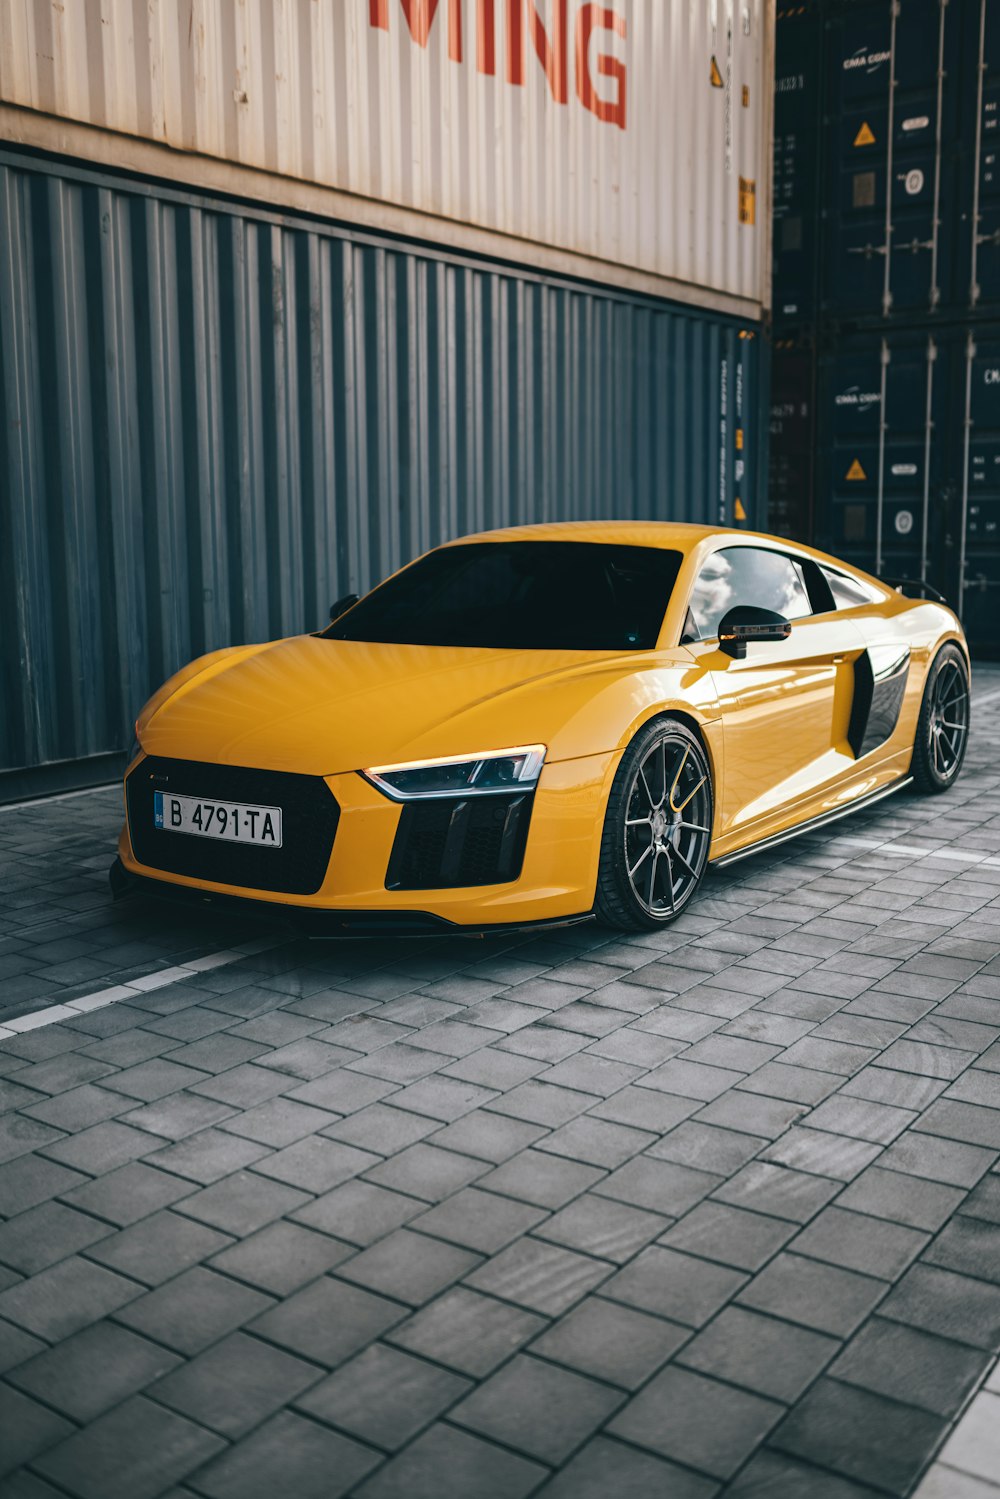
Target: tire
<point>658,818</point>
<point>943,725</point>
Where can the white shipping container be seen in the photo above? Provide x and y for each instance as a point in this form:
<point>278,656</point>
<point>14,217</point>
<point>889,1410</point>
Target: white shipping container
<point>632,132</point>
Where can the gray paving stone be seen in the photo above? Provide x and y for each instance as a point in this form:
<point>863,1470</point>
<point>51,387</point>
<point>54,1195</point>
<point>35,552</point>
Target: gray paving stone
<point>890,1443</point>
<point>381,1128</point>
<point>384,1397</point>
<point>446,1463</point>
<point>777,1191</point>
<point>707,1147</point>
<point>597,1142</point>
<point>491,1068</point>
<point>770,1357</point>
<point>949,1161</point>
<point>443,1098</point>
<point>68,1296</point>
<point>544,1277</point>
<point>278,1122</point>
<point>178,1115</point>
<point>193,1310</point>
<point>26,1428</point>
<point>858,1242</point>
<point>661,1186</point>
<point>359,1212</point>
<point>539,1409</point>
<point>408,1266</point>
<point>241,1203</point>
<point>772,1473</point>
<point>644,1108</point>
<point>910,1366</point>
<point>45,1234</point>
<point>542,1103</point>
<point>949,1305</point>
<point>241,1087</point>
<point>728,1235</point>
<point>821,1153</point>
<point>541,1179</point>
<point>236,1384</point>
<point>289,1455</point>
<point>968,1122</point>
<point>467,1331</point>
<point>204,1157</point>
<point>479,1220</point>
<point>315,1164</point>
<point>682,1287</point>
<point>158,1247</point>
<point>606,1467</point>
<point>427,1171</point>
<point>131,1192</point>
<point>93,1370</point>
<point>969,1246</point>
<point>984,1200</point>
<point>602,1227</point>
<point>16,1346</point>
<point>612,1342</point>
<point>752,1114</point>
<point>31,1179</point>
<point>899,1089</point>
<point>153,1079</point>
<point>328,1321</point>
<point>696,1421</point>
<point>824,1297</point>
<point>280,1257</point>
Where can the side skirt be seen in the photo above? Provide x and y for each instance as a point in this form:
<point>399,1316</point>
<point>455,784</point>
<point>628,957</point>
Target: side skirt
<point>811,826</point>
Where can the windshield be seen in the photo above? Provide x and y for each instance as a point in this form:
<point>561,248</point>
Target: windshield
<point>521,595</point>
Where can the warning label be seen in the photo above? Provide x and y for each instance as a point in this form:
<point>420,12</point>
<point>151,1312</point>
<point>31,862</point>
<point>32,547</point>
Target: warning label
<point>865,136</point>
<point>856,471</point>
<point>748,201</point>
<point>738,511</point>
<point>715,76</point>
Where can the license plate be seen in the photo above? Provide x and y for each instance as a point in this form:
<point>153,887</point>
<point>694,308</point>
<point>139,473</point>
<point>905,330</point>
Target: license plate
<point>236,822</point>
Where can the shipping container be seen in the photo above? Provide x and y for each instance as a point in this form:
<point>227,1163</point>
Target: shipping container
<point>791,439</point>
<point>217,419</point>
<point>907,462</point>
<point>634,134</point>
<point>886,168</point>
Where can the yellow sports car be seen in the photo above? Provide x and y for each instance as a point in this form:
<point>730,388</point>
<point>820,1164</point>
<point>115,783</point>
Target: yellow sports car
<point>541,725</point>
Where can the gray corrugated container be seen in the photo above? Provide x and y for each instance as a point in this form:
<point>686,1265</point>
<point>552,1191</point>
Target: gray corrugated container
<point>217,419</point>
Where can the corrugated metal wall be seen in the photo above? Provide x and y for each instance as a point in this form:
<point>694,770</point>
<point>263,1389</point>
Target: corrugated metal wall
<point>215,421</point>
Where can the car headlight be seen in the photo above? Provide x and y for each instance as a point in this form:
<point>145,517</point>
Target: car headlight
<point>484,774</point>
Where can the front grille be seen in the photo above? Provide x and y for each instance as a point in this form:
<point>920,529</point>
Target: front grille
<point>309,815</point>
<point>451,842</point>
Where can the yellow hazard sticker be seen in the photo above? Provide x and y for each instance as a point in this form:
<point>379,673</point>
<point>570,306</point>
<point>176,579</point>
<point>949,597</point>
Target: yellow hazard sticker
<point>715,76</point>
<point>856,471</point>
<point>738,510</point>
<point>746,96</point>
<point>865,136</point>
<point>748,201</point>
<point>739,439</point>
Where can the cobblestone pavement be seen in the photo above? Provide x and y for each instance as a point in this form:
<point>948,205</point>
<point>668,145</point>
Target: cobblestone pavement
<point>712,1210</point>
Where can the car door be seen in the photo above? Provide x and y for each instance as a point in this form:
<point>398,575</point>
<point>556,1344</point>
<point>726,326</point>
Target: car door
<point>786,707</point>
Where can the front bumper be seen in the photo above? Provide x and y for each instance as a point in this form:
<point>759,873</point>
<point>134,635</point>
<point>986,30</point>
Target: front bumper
<point>556,883</point>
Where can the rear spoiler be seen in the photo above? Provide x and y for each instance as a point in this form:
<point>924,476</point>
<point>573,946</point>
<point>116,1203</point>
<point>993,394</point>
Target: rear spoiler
<point>914,588</point>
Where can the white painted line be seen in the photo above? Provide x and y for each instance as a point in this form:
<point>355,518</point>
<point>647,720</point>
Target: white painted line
<point>40,1017</point>
<point>74,1008</point>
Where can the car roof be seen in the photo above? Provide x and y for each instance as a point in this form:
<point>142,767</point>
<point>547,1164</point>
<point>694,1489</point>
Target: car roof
<point>681,536</point>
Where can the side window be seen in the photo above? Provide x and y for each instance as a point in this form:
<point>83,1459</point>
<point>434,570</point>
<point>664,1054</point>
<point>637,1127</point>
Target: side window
<point>744,575</point>
<point>848,593</point>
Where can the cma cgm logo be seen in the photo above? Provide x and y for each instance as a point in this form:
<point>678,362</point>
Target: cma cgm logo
<point>992,377</point>
<point>870,61</point>
<point>522,25</point>
<point>859,400</point>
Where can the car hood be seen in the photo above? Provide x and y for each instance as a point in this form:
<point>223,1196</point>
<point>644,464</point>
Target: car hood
<point>323,706</point>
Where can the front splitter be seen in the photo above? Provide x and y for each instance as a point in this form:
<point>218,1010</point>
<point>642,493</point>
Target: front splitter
<point>305,921</point>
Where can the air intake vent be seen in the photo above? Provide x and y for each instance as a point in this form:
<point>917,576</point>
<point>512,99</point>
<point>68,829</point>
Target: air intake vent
<point>451,842</point>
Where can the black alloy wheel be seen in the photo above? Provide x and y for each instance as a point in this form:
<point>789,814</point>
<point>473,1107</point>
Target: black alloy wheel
<point>657,828</point>
<point>943,726</point>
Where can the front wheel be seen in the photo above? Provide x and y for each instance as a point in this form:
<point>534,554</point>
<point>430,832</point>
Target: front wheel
<point>657,828</point>
<point>943,725</point>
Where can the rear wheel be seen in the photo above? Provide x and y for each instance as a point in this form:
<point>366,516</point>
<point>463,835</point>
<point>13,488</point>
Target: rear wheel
<point>943,725</point>
<point>657,828</point>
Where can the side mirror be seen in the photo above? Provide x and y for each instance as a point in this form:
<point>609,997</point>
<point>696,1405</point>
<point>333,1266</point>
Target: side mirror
<point>744,623</point>
<point>342,605</point>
